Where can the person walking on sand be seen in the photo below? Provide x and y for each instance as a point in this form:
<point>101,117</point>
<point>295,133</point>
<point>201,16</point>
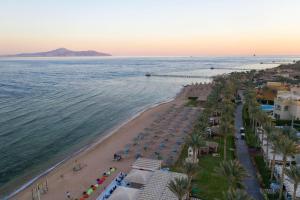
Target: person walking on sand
<point>68,195</point>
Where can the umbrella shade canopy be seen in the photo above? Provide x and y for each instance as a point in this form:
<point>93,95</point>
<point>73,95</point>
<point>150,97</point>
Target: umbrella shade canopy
<point>124,193</point>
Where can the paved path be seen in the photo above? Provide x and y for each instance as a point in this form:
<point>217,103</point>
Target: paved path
<point>251,183</point>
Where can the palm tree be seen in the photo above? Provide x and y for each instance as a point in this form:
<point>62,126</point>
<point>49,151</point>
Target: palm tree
<point>195,141</point>
<point>252,105</point>
<point>238,194</point>
<point>288,148</point>
<point>274,137</point>
<point>254,110</point>
<point>190,169</point>
<point>179,186</point>
<point>228,107</point>
<point>263,119</point>
<point>291,133</point>
<point>226,127</point>
<point>233,171</point>
<point>268,128</point>
<point>294,174</point>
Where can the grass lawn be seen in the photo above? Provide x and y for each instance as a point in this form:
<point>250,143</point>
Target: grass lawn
<point>209,185</point>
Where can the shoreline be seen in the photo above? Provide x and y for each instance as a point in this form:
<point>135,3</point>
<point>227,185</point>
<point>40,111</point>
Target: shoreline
<point>93,144</point>
<point>89,147</point>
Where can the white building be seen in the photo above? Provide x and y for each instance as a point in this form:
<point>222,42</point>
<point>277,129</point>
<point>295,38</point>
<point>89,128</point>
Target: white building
<point>146,181</point>
<point>287,104</point>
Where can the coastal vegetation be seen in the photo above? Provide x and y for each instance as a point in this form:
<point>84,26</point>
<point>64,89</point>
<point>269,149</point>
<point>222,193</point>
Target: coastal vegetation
<point>192,101</point>
<point>179,186</point>
<point>218,175</point>
<point>221,177</point>
<point>294,174</point>
<point>259,128</point>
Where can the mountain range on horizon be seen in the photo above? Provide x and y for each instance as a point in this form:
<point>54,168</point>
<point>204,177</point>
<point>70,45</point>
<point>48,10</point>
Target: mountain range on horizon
<point>61,52</point>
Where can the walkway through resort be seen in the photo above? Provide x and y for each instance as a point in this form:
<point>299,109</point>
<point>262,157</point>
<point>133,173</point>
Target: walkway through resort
<point>251,182</point>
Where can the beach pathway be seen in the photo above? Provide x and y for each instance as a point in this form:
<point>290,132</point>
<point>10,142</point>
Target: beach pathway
<point>251,183</point>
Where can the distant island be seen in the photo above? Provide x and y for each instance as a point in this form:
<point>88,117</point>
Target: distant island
<point>61,52</point>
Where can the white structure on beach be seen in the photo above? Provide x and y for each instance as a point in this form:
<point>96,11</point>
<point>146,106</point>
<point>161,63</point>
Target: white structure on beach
<point>192,156</point>
<point>124,193</point>
<point>147,164</point>
<point>146,181</point>
<point>287,104</point>
<point>157,187</point>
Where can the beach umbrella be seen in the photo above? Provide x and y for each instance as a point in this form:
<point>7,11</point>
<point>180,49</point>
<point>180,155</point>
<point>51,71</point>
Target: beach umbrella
<point>162,145</point>
<point>145,147</point>
<point>127,147</point>
<point>137,155</point>
<point>120,152</point>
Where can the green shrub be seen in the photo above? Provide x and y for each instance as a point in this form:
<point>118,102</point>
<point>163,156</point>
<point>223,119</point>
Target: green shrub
<point>192,102</point>
<point>263,169</point>
<point>251,139</point>
<point>286,122</point>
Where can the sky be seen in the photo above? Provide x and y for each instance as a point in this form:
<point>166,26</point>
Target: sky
<point>152,27</point>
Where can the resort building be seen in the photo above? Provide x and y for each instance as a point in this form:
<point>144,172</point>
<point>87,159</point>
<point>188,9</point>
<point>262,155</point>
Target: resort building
<point>287,104</point>
<point>267,93</point>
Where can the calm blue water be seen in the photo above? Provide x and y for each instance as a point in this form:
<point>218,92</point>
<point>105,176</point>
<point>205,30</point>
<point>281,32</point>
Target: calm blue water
<point>266,107</point>
<point>52,107</point>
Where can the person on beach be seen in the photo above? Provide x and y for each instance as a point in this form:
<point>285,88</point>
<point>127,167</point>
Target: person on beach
<point>68,195</point>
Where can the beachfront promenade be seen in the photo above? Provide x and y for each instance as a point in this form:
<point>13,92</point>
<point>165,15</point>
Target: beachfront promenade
<point>251,183</point>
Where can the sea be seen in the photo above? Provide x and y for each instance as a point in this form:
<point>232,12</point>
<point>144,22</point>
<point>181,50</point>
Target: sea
<point>52,108</point>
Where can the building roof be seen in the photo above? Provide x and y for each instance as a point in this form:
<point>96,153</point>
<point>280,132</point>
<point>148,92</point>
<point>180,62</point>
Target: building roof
<point>157,187</point>
<point>287,95</point>
<point>124,193</point>
<point>277,85</point>
<point>147,164</point>
<point>138,176</point>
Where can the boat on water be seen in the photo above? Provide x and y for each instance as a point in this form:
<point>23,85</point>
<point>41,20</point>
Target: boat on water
<point>148,74</point>
<point>212,68</point>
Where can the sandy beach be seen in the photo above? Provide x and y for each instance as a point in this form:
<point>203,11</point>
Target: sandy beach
<point>98,159</point>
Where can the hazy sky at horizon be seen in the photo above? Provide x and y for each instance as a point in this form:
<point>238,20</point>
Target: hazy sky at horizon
<point>149,27</point>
